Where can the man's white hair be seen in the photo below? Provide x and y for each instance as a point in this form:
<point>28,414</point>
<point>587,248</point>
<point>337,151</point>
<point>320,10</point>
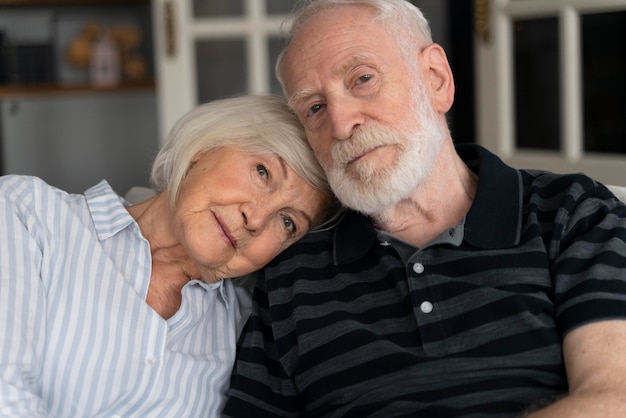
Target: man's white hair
<point>403,20</point>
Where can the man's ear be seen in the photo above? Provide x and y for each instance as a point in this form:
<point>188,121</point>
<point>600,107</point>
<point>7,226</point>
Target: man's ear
<point>437,76</point>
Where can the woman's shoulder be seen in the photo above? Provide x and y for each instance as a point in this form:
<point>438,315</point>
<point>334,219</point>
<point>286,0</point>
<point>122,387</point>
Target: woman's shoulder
<point>14,185</point>
<point>12,179</point>
<point>32,196</point>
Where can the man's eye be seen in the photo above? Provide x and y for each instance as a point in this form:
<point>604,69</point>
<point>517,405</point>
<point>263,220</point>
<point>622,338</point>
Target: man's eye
<point>263,172</point>
<point>314,109</point>
<point>364,79</point>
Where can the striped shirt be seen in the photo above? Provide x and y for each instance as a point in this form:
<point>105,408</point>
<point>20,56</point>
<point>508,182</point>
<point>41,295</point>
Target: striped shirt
<point>77,338</point>
<point>353,323</point>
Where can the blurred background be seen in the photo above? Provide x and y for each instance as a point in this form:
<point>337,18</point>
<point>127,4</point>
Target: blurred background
<point>89,88</point>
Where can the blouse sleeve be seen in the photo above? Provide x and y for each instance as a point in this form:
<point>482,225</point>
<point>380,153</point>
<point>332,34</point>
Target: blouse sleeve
<point>22,305</point>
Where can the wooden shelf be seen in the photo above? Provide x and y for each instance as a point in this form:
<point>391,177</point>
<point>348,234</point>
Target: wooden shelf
<point>62,88</point>
<point>62,2</point>
<point>18,91</point>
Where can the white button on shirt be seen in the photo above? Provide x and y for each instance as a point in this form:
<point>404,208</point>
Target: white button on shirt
<point>418,268</point>
<point>426,307</point>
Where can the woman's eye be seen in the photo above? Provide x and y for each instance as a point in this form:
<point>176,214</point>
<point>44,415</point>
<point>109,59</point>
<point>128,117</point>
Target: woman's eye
<point>263,172</point>
<point>289,224</point>
<point>314,109</point>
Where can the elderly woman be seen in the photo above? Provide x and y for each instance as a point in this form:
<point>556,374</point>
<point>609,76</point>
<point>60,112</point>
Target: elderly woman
<point>113,310</point>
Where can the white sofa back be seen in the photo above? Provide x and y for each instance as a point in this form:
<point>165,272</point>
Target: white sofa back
<point>619,191</point>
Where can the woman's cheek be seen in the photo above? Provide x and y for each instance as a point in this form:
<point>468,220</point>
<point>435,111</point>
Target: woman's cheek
<point>265,250</point>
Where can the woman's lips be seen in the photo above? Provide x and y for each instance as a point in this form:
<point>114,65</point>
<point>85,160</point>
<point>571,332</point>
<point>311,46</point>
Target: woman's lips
<point>225,231</point>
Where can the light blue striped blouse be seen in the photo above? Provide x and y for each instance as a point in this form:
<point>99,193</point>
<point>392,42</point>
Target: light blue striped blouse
<point>76,336</point>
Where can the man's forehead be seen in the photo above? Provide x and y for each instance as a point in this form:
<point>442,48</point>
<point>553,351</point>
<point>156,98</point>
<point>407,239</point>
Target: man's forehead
<point>354,16</point>
<point>333,52</point>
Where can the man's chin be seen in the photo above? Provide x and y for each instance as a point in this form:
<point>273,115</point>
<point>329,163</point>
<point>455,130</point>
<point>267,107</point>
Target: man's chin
<point>363,202</point>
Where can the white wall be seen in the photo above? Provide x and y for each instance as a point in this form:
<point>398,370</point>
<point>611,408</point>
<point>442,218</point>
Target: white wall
<point>74,141</point>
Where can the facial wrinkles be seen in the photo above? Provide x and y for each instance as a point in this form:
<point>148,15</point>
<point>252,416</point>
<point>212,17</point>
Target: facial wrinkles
<point>299,61</point>
<point>373,188</point>
<point>259,248</point>
<point>253,249</point>
<point>260,213</point>
<point>214,256</point>
<point>314,51</point>
<point>294,199</point>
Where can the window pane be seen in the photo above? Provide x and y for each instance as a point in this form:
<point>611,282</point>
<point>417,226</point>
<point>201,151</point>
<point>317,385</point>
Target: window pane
<point>275,45</point>
<point>280,6</point>
<point>537,90</point>
<point>214,8</point>
<point>220,68</point>
<point>604,86</point>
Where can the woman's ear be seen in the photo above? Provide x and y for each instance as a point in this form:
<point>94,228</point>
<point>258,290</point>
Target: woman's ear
<point>437,76</point>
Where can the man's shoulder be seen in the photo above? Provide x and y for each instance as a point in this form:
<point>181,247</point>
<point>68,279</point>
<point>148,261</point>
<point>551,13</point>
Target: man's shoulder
<point>575,187</point>
<point>570,204</point>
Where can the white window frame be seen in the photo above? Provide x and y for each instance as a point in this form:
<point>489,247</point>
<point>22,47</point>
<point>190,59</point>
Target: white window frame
<point>495,92</point>
<point>176,31</point>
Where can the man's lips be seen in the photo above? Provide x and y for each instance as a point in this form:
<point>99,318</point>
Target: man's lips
<point>225,231</point>
<point>363,154</point>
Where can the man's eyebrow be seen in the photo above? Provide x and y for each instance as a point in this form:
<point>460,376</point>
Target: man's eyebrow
<point>344,68</point>
<point>298,97</point>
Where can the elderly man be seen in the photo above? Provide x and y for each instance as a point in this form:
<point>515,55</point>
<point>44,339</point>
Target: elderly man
<point>456,285</point>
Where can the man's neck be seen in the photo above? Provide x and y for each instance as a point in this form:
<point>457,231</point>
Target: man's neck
<point>434,206</point>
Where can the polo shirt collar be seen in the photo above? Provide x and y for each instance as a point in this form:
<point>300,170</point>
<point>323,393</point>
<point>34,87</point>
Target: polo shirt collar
<point>354,235</point>
<point>495,218</point>
<point>489,224</point>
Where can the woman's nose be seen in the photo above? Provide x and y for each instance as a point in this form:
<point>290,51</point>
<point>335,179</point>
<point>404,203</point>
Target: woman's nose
<point>255,216</point>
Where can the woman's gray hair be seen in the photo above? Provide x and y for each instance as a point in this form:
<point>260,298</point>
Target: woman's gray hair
<point>256,124</point>
<point>403,20</point>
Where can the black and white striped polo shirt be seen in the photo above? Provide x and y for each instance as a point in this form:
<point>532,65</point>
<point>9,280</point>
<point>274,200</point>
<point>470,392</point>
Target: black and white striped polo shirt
<point>349,323</point>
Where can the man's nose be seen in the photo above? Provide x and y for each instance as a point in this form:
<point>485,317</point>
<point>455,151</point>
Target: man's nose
<point>345,115</point>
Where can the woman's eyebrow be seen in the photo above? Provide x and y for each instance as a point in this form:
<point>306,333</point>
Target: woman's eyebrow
<point>307,217</point>
<point>283,166</point>
<point>302,213</point>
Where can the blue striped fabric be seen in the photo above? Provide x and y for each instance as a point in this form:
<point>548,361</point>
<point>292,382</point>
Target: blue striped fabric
<point>76,336</point>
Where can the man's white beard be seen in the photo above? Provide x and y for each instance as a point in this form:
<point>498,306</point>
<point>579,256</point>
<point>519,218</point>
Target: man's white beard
<point>370,187</point>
